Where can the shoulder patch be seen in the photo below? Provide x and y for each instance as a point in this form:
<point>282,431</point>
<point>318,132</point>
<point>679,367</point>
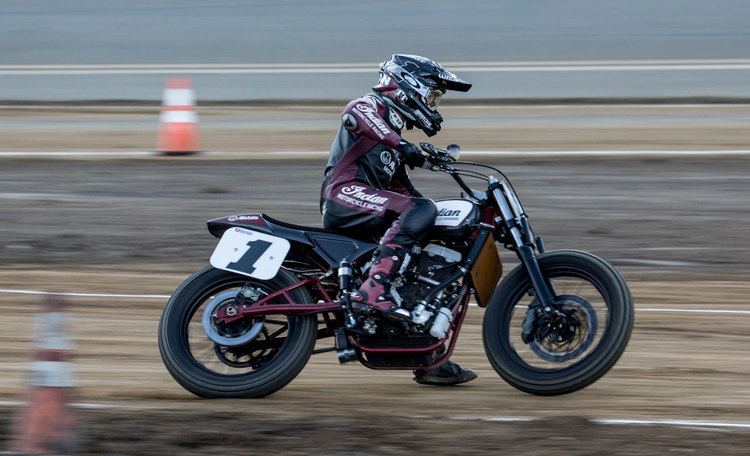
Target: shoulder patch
<point>350,123</point>
<point>373,101</point>
<point>364,107</point>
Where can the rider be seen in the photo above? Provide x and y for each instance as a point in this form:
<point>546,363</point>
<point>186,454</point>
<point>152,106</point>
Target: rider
<point>367,189</point>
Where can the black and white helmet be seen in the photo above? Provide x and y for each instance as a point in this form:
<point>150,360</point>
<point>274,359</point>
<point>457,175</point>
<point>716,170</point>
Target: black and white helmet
<point>414,85</point>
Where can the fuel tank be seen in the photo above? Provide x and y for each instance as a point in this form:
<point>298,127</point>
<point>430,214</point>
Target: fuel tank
<point>454,218</point>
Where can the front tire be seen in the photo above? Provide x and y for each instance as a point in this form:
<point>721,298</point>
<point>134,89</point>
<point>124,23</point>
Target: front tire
<point>251,373</point>
<point>545,368</point>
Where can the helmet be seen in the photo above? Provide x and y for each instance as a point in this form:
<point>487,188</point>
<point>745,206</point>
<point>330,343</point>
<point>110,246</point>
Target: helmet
<point>414,85</point>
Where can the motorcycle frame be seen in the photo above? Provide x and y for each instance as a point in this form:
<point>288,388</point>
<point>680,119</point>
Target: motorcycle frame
<point>338,310</point>
<point>458,320</point>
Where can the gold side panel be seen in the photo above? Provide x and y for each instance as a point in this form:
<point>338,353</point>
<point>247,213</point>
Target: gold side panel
<point>486,272</point>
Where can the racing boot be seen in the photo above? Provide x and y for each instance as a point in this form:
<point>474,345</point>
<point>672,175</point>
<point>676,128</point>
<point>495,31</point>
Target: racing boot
<point>448,374</point>
<point>375,291</point>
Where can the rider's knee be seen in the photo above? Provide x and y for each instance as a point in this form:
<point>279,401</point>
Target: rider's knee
<point>420,217</point>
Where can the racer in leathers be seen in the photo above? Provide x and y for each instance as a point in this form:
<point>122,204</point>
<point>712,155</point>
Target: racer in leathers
<point>367,189</point>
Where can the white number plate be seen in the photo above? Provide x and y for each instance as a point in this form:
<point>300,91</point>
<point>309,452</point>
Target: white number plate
<point>250,253</point>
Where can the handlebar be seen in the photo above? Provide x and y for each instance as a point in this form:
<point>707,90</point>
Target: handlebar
<point>446,160</point>
<point>447,155</point>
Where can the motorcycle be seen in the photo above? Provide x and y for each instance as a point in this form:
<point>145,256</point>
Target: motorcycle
<point>246,325</point>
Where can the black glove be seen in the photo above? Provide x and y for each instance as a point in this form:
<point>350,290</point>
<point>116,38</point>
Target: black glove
<point>410,154</point>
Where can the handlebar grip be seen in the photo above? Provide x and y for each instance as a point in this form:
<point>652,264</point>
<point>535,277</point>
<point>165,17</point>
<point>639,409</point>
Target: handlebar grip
<point>427,147</point>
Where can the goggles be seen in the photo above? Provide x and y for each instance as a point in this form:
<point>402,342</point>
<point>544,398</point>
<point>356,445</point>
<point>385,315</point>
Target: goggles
<point>433,97</point>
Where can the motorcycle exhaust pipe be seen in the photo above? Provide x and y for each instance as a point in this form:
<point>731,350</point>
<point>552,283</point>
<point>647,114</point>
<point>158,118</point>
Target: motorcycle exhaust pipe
<point>344,351</point>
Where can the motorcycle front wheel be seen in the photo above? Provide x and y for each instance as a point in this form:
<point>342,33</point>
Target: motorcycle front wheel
<point>245,359</point>
<point>595,320</point>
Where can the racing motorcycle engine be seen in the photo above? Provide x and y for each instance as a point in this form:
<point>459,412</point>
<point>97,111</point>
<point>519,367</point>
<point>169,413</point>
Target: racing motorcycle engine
<point>424,269</point>
<point>436,263</point>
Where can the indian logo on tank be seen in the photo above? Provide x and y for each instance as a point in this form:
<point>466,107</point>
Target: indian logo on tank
<point>452,212</point>
<point>448,213</point>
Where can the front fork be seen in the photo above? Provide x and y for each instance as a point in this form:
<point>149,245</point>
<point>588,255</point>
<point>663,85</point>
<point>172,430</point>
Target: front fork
<point>513,217</point>
<point>545,294</point>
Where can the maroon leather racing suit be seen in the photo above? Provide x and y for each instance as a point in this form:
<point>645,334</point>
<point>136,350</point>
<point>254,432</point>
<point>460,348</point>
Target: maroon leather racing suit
<point>366,189</point>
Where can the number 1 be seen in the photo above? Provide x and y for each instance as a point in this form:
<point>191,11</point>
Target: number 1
<point>256,250</point>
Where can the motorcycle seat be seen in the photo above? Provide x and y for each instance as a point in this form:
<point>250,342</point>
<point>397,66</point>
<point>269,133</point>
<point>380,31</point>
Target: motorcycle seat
<point>292,226</point>
<point>358,235</point>
<point>331,245</point>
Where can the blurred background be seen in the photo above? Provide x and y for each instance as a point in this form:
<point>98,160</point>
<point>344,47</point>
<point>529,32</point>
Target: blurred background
<point>622,124</point>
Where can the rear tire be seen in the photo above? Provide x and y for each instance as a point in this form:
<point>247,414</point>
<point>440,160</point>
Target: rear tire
<point>194,376</point>
<point>499,344</point>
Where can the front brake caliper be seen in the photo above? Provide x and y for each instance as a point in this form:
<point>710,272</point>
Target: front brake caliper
<point>531,323</point>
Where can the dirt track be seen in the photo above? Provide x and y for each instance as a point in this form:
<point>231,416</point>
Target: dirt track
<point>242,433</point>
<point>300,127</point>
<point>677,228</point>
<point>671,363</point>
<point>679,366</point>
<point>647,216</point>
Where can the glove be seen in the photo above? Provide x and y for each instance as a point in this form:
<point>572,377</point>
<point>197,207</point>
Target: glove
<point>410,154</point>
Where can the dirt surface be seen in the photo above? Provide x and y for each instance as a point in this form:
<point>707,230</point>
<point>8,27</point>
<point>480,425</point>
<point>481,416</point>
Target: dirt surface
<point>649,217</point>
<point>243,433</point>
<point>290,127</point>
<point>677,366</point>
<point>676,228</point>
<point>671,363</point>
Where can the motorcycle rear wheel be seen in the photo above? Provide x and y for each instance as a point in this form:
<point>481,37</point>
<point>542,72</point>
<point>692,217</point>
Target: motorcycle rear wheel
<point>538,369</point>
<point>246,371</point>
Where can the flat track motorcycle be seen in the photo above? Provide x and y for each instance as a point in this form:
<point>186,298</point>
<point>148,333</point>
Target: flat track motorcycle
<point>247,325</point>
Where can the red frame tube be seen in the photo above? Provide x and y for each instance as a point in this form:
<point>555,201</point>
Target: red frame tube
<point>291,307</point>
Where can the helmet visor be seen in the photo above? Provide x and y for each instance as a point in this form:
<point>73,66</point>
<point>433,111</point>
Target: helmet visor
<point>433,97</point>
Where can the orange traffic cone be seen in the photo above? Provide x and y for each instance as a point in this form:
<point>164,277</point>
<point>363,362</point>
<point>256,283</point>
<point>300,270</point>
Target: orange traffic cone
<point>178,132</point>
<point>46,424</point>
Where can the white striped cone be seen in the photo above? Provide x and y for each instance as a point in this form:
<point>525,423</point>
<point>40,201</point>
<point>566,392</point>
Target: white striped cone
<point>46,425</point>
<point>178,131</point>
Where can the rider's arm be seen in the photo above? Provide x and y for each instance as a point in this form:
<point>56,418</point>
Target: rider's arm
<point>363,117</point>
<point>401,183</point>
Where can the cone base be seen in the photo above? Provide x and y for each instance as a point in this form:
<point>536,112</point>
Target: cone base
<point>177,139</point>
<point>177,153</point>
<point>46,425</point>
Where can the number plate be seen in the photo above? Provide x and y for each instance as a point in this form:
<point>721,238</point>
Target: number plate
<point>250,253</point>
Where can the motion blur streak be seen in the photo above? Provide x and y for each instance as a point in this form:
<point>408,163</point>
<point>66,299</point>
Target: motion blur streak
<point>634,44</point>
<point>659,188</point>
<point>343,68</point>
<point>318,154</point>
<point>160,297</point>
